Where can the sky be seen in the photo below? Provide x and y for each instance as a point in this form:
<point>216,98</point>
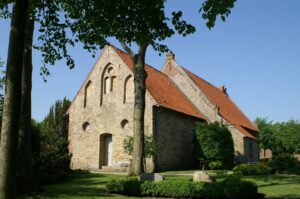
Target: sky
<point>255,54</point>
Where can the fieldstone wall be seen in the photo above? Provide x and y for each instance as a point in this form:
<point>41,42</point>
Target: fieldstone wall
<point>174,135</point>
<point>104,107</point>
<point>209,110</point>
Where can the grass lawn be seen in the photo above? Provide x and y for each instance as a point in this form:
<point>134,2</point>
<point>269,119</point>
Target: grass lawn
<point>275,186</point>
<point>93,186</point>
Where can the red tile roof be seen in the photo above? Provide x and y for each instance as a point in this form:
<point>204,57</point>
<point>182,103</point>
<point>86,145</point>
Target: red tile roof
<point>163,90</point>
<point>227,108</point>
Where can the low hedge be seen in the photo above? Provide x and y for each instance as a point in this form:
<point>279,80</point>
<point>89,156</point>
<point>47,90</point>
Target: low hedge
<point>229,188</point>
<point>285,163</point>
<point>262,168</point>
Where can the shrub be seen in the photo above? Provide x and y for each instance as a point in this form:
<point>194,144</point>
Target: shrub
<point>214,144</point>
<point>130,186</point>
<point>285,163</point>
<point>253,169</point>
<point>236,188</point>
<point>215,165</point>
<point>230,188</point>
<point>170,188</point>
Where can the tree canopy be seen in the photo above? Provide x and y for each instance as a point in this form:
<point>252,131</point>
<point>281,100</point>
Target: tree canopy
<point>280,137</point>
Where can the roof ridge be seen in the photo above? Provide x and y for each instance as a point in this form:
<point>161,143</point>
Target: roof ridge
<point>247,122</point>
<point>145,62</point>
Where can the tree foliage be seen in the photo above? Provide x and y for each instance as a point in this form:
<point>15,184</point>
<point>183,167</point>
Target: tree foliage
<point>214,144</point>
<point>52,158</point>
<point>280,137</point>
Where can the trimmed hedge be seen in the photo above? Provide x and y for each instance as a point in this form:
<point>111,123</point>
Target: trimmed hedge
<point>253,169</point>
<point>230,188</point>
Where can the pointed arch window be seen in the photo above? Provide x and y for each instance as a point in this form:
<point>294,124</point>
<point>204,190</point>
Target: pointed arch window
<point>127,88</point>
<point>109,80</point>
<point>86,88</point>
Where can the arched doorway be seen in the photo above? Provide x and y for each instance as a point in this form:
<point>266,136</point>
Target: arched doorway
<point>105,150</point>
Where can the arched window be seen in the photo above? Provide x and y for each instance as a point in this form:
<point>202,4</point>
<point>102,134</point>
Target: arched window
<point>85,126</point>
<point>128,87</point>
<point>112,82</point>
<point>109,80</point>
<point>86,93</point>
<point>124,123</point>
<point>107,85</point>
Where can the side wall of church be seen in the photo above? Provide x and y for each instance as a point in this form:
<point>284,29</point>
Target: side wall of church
<point>198,98</point>
<point>104,107</point>
<point>174,135</point>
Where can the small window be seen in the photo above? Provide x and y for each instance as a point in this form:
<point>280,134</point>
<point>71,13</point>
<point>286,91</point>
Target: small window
<point>86,93</point>
<point>85,126</point>
<point>124,123</point>
<point>112,82</point>
<point>107,85</point>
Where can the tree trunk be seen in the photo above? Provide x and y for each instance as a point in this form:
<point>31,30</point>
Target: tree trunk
<point>24,170</point>
<point>12,101</point>
<point>139,110</point>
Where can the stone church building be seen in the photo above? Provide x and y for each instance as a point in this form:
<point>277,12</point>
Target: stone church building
<point>101,115</point>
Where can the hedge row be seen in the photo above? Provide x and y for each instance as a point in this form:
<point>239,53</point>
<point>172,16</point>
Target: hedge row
<point>230,188</point>
<point>253,169</point>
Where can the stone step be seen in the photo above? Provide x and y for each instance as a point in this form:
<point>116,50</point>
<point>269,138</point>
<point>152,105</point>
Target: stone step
<point>106,168</point>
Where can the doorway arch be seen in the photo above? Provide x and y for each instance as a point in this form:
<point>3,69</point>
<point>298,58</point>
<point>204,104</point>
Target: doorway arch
<point>105,150</point>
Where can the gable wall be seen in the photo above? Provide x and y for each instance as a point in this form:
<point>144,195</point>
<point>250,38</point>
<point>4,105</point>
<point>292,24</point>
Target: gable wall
<point>105,118</point>
<point>209,110</point>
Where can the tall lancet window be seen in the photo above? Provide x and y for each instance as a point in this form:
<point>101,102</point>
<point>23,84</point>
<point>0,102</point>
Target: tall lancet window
<point>86,88</point>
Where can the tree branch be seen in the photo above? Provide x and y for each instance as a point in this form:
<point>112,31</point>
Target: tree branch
<point>127,48</point>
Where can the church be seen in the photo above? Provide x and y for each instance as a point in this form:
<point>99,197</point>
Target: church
<point>101,115</point>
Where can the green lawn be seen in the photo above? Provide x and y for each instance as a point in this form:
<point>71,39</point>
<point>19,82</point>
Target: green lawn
<point>278,186</point>
<point>93,186</point>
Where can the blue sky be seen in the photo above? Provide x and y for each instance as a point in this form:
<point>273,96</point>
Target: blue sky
<point>255,53</point>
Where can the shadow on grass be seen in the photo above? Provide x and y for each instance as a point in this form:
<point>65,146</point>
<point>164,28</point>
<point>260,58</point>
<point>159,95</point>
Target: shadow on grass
<point>77,186</point>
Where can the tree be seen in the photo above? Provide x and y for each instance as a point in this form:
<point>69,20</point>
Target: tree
<point>280,137</point>
<point>214,144</point>
<point>24,171</point>
<point>266,134</point>
<point>12,100</point>
<point>2,85</point>
<point>54,157</point>
<point>53,45</point>
<point>143,23</point>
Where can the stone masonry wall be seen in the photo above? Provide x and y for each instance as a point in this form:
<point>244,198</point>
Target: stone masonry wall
<point>198,98</point>
<point>174,134</point>
<point>107,118</point>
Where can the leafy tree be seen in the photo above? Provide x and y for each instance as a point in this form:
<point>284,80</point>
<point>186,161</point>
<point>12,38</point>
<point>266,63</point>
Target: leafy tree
<point>54,158</point>
<point>140,23</point>
<point>266,134</point>
<point>280,137</point>
<point>214,145</point>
